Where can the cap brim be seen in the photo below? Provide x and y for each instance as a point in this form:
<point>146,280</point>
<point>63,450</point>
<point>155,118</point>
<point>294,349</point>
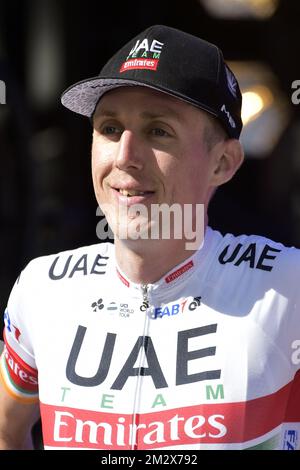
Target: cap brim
<point>82,98</point>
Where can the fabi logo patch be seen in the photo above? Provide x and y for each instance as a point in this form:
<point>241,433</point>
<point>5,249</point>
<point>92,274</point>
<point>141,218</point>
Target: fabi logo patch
<point>175,309</point>
<point>290,440</point>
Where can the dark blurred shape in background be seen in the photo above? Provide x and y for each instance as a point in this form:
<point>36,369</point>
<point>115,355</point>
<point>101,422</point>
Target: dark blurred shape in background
<point>46,196</point>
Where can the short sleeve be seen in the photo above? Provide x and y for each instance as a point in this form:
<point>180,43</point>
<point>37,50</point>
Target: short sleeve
<point>17,366</point>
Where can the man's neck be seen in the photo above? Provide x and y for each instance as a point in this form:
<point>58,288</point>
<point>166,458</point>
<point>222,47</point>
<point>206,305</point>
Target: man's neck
<point>148,261</point>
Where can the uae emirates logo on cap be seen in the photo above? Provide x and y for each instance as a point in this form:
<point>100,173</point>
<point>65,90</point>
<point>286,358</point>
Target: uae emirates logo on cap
<point>144,55</point>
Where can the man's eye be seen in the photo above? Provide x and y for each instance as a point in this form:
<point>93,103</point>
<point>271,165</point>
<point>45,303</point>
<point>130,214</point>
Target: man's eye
<point>108,130</point>
<point>159,132</point>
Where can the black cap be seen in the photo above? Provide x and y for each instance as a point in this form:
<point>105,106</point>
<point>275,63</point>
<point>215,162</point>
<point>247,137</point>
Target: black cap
<point>171,61</point>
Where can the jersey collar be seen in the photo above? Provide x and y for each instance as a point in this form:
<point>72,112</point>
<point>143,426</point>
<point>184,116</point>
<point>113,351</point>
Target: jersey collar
<point>178,275</point>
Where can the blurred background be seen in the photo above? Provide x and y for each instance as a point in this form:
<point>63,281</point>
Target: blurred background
<point>46,198</point>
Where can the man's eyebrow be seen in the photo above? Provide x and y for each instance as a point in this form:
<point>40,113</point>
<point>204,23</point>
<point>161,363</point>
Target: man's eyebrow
<point>164,112</point>
<point>105,113</point>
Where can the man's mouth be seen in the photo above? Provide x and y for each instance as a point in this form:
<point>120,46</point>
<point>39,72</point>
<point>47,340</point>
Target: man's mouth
<point>133,192</point>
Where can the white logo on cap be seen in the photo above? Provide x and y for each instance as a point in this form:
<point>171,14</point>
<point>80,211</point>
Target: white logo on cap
<point>154,49</point>
<point>144,55</point>
<point>231,81</point>
<point>229,117</point>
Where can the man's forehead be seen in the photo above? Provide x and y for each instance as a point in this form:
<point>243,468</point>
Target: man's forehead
<point>152,103</point>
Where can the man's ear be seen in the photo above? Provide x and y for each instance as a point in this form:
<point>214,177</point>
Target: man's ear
<point>228,156</point>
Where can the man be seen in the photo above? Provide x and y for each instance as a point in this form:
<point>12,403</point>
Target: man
<point>155,342</point>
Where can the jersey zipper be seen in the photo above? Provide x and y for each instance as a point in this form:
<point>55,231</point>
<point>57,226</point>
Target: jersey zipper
<point>145,304</point>
<point>138,390</point>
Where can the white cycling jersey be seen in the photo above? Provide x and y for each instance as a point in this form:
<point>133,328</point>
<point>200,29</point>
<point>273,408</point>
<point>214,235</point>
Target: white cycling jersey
<point>205,358</point>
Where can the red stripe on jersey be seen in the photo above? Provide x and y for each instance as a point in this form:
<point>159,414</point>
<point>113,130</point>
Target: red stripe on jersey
<point>122,278</point>
<point>216,423</point>
<point>22,374</point>
<point>293,406</point>
<point>175,274</point>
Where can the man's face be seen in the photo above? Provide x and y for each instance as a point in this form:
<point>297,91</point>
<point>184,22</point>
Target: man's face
<point>148,148</point>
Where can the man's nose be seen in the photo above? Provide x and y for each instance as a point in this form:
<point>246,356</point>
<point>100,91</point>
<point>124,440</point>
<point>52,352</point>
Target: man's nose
<point>129,153</point>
